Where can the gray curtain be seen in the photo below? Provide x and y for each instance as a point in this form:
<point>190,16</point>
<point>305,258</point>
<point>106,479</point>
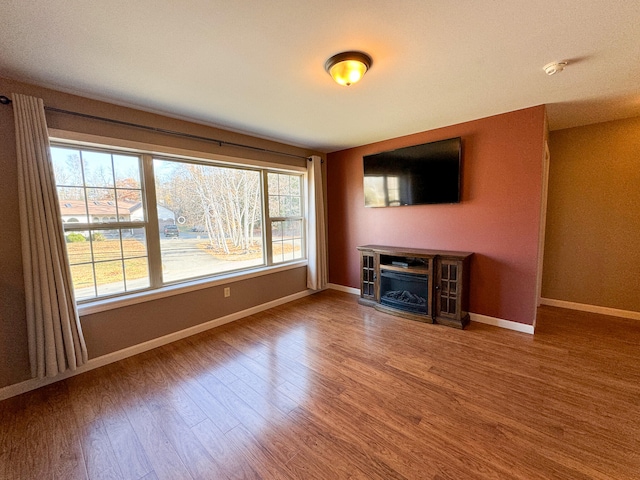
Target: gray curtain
<point>317,270</point>
<point>56,343</point>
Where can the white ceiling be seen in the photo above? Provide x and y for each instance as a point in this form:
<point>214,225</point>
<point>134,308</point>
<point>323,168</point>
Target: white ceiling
<point>258,66</point>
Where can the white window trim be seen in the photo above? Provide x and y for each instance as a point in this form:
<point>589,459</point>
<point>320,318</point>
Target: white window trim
<point>140,148</point>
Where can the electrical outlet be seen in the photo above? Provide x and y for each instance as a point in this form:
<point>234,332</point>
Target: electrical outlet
<point>227,292</point>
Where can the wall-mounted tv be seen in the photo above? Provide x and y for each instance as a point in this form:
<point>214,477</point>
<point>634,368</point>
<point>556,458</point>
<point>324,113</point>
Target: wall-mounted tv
<point>417,175</point>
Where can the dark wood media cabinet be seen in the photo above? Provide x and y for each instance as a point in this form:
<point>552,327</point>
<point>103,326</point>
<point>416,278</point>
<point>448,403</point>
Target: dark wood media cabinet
<point>427,285</point>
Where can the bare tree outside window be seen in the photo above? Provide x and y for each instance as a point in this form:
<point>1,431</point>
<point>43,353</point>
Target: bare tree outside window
<point>222,206</point>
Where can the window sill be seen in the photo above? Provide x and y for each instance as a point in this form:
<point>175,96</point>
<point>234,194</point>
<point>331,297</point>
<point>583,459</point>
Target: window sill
<point>177,289</point>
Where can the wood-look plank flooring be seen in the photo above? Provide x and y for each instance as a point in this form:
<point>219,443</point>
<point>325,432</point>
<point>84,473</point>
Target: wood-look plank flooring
<point>323,388</point>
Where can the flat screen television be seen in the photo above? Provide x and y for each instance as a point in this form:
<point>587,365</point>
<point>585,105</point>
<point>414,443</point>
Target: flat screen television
<point>417,175</point>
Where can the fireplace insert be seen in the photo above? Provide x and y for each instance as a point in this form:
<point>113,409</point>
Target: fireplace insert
<point>405,291</point>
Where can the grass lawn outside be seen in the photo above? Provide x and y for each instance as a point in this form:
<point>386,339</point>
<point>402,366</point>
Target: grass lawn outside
<point>254,251</point>
<point>113,261</point>
<point>110,261</point>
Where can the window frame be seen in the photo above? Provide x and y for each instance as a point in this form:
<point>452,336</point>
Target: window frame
<point>92,227</point>
<point>215,163</point>
<point>147,153</point>
<point>269,219</point>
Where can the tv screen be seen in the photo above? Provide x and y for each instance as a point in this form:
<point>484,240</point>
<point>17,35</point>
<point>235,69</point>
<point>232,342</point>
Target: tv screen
<point>417,175</point>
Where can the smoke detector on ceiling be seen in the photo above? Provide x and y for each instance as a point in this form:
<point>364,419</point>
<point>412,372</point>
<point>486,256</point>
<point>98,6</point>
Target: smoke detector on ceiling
<point>554,67</point>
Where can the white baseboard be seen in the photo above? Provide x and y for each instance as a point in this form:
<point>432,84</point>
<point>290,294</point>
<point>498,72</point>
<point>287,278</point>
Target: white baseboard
<point>342,288</point>
<point>475,317</point>
<point>499,322</point>
<point>32,384</point>
<point>614,312</point>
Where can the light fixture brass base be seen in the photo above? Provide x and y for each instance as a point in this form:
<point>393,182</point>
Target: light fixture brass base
<point>347,68</point>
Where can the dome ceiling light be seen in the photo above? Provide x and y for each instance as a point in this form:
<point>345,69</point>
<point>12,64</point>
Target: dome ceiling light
<point>347,68</point>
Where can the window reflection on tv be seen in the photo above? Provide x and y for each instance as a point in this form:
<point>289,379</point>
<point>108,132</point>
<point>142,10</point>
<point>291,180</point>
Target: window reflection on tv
<point>417,175</point>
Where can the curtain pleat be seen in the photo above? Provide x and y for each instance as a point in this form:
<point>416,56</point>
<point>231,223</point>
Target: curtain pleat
<point>55,336</point>
<point>317,269</point>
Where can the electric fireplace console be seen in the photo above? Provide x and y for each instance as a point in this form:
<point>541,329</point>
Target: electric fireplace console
<point>427,285</point>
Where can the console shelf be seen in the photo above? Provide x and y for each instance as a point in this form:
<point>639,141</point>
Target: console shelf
<point>409,269</point>
<point>427,285</point>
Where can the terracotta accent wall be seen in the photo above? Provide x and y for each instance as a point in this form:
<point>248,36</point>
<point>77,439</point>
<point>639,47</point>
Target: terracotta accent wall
<point>498,218</point>
<point>592,253</point>
<point>113,330</point>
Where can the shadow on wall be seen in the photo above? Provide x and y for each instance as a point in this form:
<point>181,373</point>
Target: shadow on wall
<point>491,286</point>
<point>13,338</point>
<point>485,292</point>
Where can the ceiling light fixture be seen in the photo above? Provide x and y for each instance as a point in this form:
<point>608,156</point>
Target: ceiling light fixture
<point>554,67</point>
<point>347,68</point>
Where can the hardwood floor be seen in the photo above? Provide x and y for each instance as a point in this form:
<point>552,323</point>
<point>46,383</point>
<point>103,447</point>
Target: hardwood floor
<point>323,388</point>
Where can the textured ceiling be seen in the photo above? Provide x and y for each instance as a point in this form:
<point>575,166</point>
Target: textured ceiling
<point>257,66</point>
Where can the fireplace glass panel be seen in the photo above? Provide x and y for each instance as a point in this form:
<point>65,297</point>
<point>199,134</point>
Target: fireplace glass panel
<point>405,291</point>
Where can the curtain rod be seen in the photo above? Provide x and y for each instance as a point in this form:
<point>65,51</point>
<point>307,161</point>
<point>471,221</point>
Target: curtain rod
<point>4,100</point>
